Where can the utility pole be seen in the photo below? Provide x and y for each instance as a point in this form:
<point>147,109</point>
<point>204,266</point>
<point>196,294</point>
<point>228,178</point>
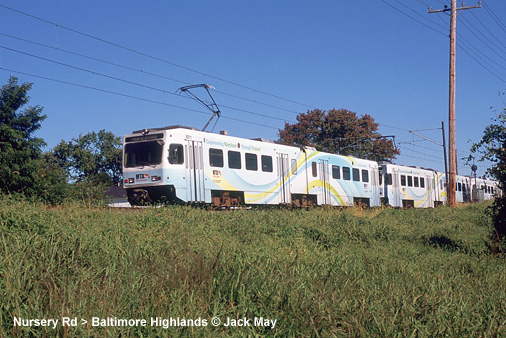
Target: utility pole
<point>451,109</point>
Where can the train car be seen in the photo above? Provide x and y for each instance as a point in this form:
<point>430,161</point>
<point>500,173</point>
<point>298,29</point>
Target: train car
<point>408,187</point>
<point>463,189</point>
<point>178,164</point>
<point>486,189</point>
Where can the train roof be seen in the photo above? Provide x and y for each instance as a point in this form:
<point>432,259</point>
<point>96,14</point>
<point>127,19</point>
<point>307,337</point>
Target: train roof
<point>163,128</point>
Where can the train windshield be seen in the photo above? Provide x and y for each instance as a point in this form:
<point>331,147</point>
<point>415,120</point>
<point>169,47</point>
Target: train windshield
<point>143,153</point>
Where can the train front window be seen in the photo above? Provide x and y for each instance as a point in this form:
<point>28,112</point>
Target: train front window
<point>143,153</point>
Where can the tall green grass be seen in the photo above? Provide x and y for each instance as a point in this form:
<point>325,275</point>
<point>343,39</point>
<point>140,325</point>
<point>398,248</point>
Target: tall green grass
<point>322,272</point>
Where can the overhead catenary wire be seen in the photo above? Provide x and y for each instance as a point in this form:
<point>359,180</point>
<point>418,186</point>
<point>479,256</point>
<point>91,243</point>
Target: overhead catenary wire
<point>143,71</point>
<point>142,54</point>
<point>131,96</point>
<point>132,82</point>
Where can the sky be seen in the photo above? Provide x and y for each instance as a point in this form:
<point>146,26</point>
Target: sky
<point>117,65</point>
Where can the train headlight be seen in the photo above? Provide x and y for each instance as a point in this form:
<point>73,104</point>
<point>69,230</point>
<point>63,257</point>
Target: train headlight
<point>131,180</point>
<point>156,178</point>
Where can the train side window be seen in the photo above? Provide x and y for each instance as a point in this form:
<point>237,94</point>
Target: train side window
<point>251,161</point>
<point>365,175</point>
<point>459,186</point>
<point>415,181</point>
<point>336,172</point>
<point>176,154</point>
<point>346,173</point>
<point>356,174</point>
<point>267,163</point>
<point>403,180</point>
<point>463,187</point>
<point>410,181</point>
<point>216,157</point>
<point>294,166</point>
<point>388,179</point>
<point>422,182</point>
<point>234,159</point>
<point>314,169</point>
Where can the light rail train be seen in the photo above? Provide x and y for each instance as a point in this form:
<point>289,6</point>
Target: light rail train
<point>178,164</point>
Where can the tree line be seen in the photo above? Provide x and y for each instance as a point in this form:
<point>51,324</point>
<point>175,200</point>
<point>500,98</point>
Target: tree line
<point>77,169</point>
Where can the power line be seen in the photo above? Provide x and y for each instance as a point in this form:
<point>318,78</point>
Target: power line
<point>494,17</point>
<point>142,71</point>
<point>412,18</point>
<point>486,44</point>
<point>133,83</point>
<point>478,62</point>
<point>423,17</point>
<point>476,51</point>
<point>132,97</point>
<point>423,3</point>
<point>58,26</point>
<point>484,26</point>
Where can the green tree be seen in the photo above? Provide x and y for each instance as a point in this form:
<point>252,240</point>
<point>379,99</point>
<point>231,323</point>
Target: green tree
<point>19,149</point>
<point>92,158</point>
<point>340,131</point>
<point>492,147</point>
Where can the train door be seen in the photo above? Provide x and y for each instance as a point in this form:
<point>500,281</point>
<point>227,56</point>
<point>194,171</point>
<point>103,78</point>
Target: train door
<point>196,178</point>
<point>375,187</point>
<point>431,196</point>
<point>324,177</point>
<point>283,172</point>
<point>396,189</point>
<point>465,189</point>
<point>440,188</point>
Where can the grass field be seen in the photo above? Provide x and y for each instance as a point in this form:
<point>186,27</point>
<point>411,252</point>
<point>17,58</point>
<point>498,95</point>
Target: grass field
<point>322,272</point>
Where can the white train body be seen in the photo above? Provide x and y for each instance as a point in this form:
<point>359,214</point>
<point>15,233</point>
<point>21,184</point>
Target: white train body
<point>183,165</point>
<point>410,186</point>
